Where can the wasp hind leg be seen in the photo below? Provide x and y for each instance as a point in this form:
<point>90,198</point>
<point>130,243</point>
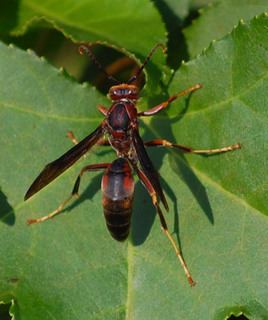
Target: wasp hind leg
<point>146,182</point>
<point>92,167</point>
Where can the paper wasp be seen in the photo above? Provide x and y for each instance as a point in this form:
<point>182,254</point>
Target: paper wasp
<point>120,128</point>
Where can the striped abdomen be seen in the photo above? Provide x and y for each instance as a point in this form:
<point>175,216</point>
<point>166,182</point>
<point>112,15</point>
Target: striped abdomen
<point>117,198</point>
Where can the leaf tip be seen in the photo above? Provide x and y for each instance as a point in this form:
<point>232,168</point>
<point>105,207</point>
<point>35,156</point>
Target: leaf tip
<point>31,52</point>
<point>84,84</point>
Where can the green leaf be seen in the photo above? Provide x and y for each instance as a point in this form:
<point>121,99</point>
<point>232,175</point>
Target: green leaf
<point>69,267</point>
<point>126,26</point>
<point>201,3</point>
<point>114,22</point>
<point>178,8</point>
<point>218,19</point>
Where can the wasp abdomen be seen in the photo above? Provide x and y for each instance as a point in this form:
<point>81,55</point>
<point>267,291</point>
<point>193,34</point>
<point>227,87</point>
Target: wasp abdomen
<point>118,217</point>
<point>118,190</point>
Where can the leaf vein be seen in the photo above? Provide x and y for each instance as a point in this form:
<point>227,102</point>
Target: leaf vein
<point>46,115</point>
<point>230,99</point>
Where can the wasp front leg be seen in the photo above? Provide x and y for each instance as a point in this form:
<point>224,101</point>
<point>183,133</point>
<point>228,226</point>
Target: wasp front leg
<point>166,103</point>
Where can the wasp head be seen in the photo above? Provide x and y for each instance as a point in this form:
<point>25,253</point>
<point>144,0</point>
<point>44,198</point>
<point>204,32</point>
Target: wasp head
<point>124,90</point>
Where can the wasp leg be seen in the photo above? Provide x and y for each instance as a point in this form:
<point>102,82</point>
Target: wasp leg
<point>146,182</point>
<point>92,167</point>
<point>103,109</point>
<point>72,137</point>
<point>166,103</point>
<point>101,142</point>
<point>165,143</point>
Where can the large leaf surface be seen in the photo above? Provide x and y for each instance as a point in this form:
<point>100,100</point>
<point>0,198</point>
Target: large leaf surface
<point>218,19</point>
<point>222,204</point>
<point>201,3</point>
<point>127,26</point>
<point>69,267</point>
<point>178,8</point>
<point>114,22</point>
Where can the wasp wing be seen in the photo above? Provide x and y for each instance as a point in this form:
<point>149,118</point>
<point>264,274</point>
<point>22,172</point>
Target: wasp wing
<point>57,167</point>
<point>147,166</point>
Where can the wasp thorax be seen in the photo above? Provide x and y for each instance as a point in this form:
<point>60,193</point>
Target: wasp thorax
<point>123,91</point>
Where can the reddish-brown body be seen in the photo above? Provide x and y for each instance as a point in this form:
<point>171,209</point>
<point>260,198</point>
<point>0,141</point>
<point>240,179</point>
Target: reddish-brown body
<point>117,181</point>
<point>120,126</point>
<point>119,119</point>
<point>117,198</point>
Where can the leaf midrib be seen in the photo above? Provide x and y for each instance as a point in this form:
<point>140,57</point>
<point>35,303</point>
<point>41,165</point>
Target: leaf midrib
<point>214,184</point>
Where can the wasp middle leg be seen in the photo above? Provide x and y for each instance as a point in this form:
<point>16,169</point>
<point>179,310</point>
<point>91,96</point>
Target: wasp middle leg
<point>168,144</point>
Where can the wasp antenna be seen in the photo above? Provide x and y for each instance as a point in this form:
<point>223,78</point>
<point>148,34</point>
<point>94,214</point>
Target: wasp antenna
<point>85,49</point>
<point>159,45</point>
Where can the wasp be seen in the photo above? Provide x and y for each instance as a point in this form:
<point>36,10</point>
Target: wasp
<point>120,130</point>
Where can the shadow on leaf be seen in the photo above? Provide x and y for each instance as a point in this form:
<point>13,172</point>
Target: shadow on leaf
<point>144,212</point>
<point>6,212</point>
<point>143,215</point>
<point>93,187</point>
<point>181,166</point>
